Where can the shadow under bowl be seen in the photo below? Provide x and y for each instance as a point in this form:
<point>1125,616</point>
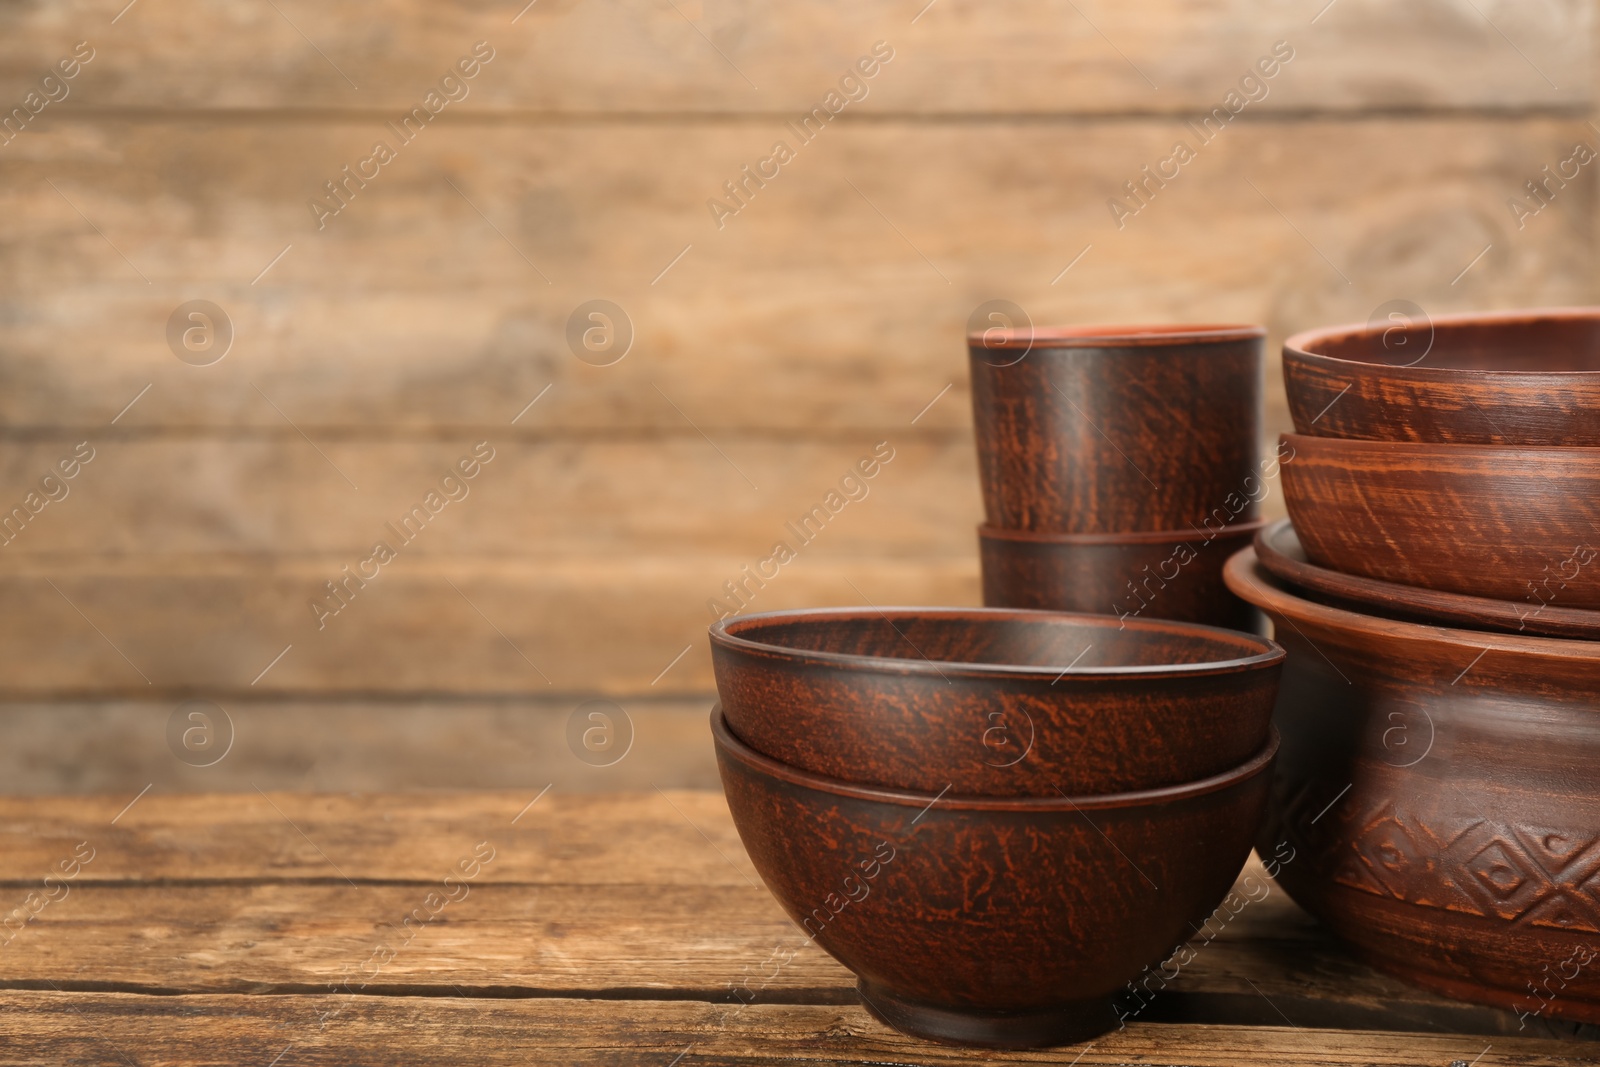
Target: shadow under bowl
<point>1280,552</point>
<point>988,921</point>
<point>1440,791</point>
<point>1110,429</point>
<point>1164,575</point>
<point>993,702</point>
<point>1504,378</point>
<point>1514,524</point>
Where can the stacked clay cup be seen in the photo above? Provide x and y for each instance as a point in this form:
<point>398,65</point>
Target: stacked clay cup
<point>995,818</point>
<point>1119,467</point>
<point>1438,591</point>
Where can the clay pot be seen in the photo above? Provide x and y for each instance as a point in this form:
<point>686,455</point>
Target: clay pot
<point>1280,552</point>
<point>987,921</point>
<point>1113,429</point>
<point>988,702</point>
<point>1507,523</point>
<point>1509,378</point>
<point>1166,575</point>
<point>1441,792</point>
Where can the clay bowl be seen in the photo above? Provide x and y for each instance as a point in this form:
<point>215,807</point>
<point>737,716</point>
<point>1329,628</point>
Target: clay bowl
<point>1506,523</point>
<point>1280,552</point>
<point>990,702</point>
<point>1510,378</point>
<point>1166,575</point>
<point>1439,791</point>
<point>989,921</point>
<point>1111,429</point>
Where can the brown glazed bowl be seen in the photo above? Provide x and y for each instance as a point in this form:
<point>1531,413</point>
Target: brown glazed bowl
<point>1112,429</point>
<point>1508,378</point>
<point>988,921</point>
<point>991,702</point>
<point>1505,523</point>
<point>1440,790</point>
<point>1162,575</point>
<point>1280,552</point>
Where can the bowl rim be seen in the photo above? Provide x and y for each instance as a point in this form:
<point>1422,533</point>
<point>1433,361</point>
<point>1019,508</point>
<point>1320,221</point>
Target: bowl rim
<point>990,532</point>
<point>1115,335</point>
<point>1251,582</point>
<point>1296,350</point>
<point>1298,574</point>
<point>1269,653</point>
<point>728,743</point>
<point>1496,453</point>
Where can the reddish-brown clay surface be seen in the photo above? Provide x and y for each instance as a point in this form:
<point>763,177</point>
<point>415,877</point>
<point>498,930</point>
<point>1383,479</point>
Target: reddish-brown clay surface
<point>985,920</point>
<point>1506,378</point>
<point>991,702</point>
<point>1117,429</point>
<point>1281,553</point>
<point>1506,523</point>
<point>1168,575</point>
<point>1441,789</point>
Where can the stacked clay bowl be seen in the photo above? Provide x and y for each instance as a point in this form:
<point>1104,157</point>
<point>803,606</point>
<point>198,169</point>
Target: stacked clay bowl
<point>995,818</point>
<point>1438,592</point>
<point>1119,467</point>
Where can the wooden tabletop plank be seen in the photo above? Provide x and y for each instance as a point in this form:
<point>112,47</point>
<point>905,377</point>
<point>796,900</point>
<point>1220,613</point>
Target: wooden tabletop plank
<point>681,837</point>
<point>614,895</point>
<point>292,1031</point>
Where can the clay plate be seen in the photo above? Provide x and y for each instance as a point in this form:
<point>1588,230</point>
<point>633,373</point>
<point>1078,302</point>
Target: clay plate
<point>1281,554</point>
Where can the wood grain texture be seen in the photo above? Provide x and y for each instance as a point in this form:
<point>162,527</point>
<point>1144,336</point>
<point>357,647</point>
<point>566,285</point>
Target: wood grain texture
<point>175,625</point>
<point>1042,57</point>
<point>805,314</point>
<point>598,497</point>
<point>226,1030</point>
<point>577,884</point>
<point>119,747</point>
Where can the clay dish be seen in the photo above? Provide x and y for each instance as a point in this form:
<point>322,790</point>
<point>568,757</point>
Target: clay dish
<point>991,702</point>
<point>1508,378</point>
<point>1513,524</point>
<point>988,921</point>
<point>1439,796</point>
<point>1281,554</point>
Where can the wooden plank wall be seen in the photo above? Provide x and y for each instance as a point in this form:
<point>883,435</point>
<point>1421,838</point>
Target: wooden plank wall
<point>373,348</point>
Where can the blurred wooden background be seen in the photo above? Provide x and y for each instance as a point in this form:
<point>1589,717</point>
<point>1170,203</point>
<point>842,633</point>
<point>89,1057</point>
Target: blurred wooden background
<point>768,354</point>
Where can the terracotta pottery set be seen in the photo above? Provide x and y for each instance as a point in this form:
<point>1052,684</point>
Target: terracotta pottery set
<point>998,817</point>
<point>1119,467</point>
<point>1438,592</point>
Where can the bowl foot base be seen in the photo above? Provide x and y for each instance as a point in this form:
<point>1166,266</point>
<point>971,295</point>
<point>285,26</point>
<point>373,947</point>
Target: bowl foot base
<point>1064,1024</point>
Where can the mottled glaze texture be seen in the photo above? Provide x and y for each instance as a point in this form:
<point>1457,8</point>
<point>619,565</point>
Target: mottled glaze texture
<point>1282,555</point>
<point>1507,378</point>
<point>989,921</point>
<point>988,702</point>
<point>1167,576</point>
<point>1505,523</point>
<point>1441,789</point>
<point>1109,430</point>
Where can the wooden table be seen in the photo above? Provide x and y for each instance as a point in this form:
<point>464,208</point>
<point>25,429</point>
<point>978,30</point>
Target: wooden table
<point>578,929</point>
